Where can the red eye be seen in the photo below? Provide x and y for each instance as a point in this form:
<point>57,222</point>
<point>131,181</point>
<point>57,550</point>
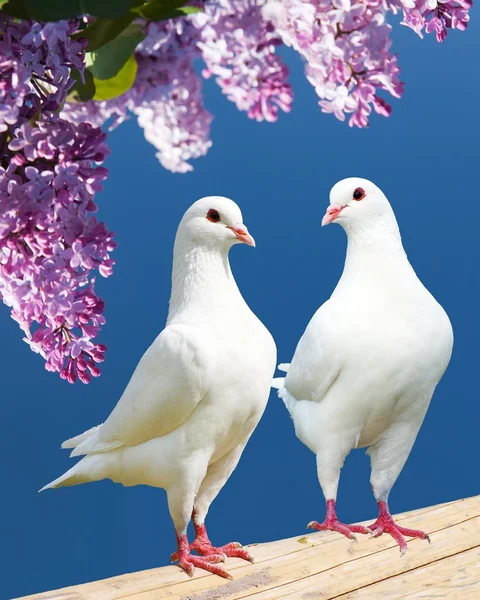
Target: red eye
<point>359,194</point>
<point>213,215</point>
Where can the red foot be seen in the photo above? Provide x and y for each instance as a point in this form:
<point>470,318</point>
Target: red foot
<point>331,523</point>
<point>204,547</point>
<point>188,561</point>
<point>385,524</point>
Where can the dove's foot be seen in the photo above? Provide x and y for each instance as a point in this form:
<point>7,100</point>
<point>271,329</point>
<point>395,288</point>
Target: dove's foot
<point>331,523</point>
<point>233,549</point>
<point>188,561</point>
<point>203,546</point>
<point>386,524</point>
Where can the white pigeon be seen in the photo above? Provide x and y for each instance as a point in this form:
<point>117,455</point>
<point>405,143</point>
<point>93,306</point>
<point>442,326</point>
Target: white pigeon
<point>368,363</point>
<point>198,392</point>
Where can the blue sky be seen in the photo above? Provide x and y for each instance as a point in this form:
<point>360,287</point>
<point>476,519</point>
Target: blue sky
<point>425,158</point>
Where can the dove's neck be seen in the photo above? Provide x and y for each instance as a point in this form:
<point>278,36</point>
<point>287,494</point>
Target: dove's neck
<point>375,248</point>
<point>202,282</point>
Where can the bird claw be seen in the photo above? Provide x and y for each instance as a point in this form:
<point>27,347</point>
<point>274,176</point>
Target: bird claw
<point>386,524</point>
<point>335,525</point>
<point>188,562</point>
<point>231,550</point>
<point>215,558</point>
<point>374,533</point>
<point>216,555</point>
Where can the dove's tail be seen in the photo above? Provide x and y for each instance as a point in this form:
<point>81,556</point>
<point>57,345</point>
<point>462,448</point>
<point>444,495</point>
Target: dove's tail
<point>75,441</point>
<point>90,468</point>
<point>89,442</point>
<point>278,382</point>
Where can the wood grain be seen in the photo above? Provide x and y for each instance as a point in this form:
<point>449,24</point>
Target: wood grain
<point>324,566</point>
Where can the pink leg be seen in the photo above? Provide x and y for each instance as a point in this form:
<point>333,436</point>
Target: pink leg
<point>203,545</point>
<point>188,561</point>
<point>385,524</point>
<point>331,523</point>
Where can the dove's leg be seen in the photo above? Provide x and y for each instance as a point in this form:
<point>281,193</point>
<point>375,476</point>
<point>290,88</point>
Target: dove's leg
<point>217,475</point>
<point>181,497</point>
<point>388,456</point>
<point>329,463</point>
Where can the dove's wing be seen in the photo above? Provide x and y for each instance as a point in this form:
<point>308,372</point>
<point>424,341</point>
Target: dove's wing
<point>167,385</point>
<point>316,365</point>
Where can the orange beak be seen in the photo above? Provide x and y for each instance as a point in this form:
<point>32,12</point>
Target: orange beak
<point>241,233</point>
<point>332,213</point>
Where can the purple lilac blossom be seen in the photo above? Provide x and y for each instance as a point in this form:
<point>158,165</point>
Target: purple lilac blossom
<point>50,242</point>
<point>166,97</point>
<point>346,46</point>
<point>238,47</point>
<point>436,16</point>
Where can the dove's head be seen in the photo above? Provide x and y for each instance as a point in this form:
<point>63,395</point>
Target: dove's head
<point>356,202</point>
<point>215,221</point>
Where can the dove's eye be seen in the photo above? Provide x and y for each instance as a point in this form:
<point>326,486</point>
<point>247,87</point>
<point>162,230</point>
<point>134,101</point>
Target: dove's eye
<point>213,215</point>
<point>359,194</point>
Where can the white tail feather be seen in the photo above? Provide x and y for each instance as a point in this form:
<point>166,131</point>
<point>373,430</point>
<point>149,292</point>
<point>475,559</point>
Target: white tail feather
<point>283,367</point>
<point>90,468</point>
<point>93,445</point>
<point>74,441</point>
<point>278,382</point>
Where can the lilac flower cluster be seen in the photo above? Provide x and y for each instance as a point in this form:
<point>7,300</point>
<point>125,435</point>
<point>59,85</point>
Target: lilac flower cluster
<point>50,242</point>
<point>166,97</point>
<point>436,16</point>
<point>347,50</point>
<point>346,46</point>
<point>238,47</point>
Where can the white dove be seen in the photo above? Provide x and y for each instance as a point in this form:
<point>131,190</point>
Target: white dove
<point>368,363</point>
<point>198,392</point>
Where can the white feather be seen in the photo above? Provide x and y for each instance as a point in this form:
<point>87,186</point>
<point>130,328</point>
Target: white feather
<point>200,389</point>
<point>366,367</point>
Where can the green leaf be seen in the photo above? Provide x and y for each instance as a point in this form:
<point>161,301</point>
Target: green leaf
<point>158,10</point>
<point>102,31</point>
<point>118,85</point>
<point>182,11</point>
<point>106,9</point>
<point>81,92</point>
<point>55,10</point>
<point>107,61</point>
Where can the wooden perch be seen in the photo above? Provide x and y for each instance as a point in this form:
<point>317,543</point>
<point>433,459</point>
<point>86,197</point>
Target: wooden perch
<point>324,566</point>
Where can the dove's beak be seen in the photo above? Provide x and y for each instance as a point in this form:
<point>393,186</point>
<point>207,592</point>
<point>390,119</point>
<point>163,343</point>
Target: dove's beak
<point>332,213</point>
<point>241,233</point>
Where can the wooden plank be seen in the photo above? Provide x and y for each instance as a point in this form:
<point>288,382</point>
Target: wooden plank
<point>456,577</point>
<point>291,570</point>
<point>368,569</point>
<point>300,564</point>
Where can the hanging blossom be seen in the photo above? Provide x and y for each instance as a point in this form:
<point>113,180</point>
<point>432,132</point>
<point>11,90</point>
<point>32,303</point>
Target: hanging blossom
<point>50,242</point>
<point>166,97</point>
<point>237,45</point>
<point>346,46</point>
<point>347,50</point>
<point>438,17</point>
